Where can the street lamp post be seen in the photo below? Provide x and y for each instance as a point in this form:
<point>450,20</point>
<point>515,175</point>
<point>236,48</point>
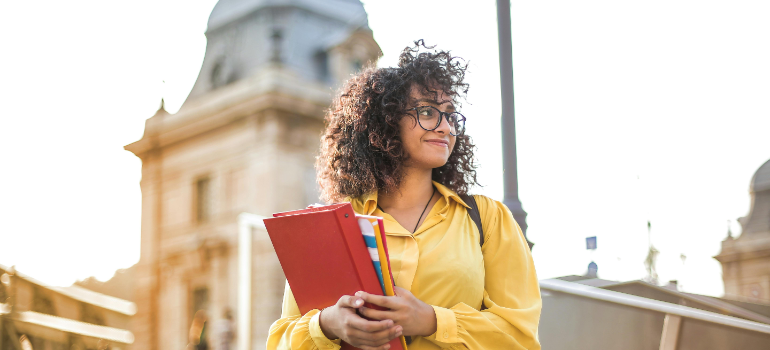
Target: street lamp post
<point>510,172</point>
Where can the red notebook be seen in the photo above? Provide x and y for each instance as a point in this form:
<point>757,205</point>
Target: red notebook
<point>324,256</point>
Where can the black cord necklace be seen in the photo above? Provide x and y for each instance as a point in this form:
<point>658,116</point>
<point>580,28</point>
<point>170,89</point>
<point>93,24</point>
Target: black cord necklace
<point>423,210</point>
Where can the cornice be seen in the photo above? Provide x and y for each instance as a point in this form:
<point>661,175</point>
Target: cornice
<point>744,248</point>
<point>272,88</point>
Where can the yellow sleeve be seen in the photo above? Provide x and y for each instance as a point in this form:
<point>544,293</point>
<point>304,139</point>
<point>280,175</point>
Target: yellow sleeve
<point>294,331</point>
<point>511,292</point>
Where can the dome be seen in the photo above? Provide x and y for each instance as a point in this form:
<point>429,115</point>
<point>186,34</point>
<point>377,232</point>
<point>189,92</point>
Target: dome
<point>348,11</point>
<point>761,180</point>
<point>245,36</point>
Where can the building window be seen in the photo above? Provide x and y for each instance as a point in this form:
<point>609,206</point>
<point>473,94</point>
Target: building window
<point>203,200</point>
<point>321,60</point>
<point>42,303</point>
<point>357,66</point>
<point>90,314</point>
<point>200,299</point>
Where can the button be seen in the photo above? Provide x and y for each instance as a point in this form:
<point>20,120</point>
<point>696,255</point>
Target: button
<point>446,335</point>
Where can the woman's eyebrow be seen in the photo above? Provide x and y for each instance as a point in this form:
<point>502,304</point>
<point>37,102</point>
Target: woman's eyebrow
<point>432,101</point>
<point>428,100</point>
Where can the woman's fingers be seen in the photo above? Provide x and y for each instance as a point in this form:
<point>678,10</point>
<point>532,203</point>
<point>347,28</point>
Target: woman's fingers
<point>350,301</point>
<point>363,325</point>
<point>401,291</point>
<point>376,314</point>
<point>373,338</point>
<point>386,302</point>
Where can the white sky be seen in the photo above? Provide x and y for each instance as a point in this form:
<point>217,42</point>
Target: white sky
<point>625,112</point>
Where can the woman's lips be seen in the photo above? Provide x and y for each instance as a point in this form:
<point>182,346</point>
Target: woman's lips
<point>440,143</point>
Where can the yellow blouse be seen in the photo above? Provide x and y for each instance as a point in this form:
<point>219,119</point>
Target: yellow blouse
<point>443,265</point>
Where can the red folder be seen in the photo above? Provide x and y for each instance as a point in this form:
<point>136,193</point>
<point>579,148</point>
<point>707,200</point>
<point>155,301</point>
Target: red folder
<point>324,257</point>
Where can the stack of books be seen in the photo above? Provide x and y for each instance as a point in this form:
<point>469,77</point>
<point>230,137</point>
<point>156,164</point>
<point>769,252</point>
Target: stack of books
<point>330,251</point>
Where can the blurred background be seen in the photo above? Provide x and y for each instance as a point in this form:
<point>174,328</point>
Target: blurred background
<point>136,133</point>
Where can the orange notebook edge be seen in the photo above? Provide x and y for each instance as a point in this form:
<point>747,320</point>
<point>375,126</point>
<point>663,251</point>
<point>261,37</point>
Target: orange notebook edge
<point>382,251</point>
<point>385,263</point>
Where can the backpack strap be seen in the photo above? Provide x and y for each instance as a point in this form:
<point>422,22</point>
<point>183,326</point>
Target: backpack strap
<point>474,214</point>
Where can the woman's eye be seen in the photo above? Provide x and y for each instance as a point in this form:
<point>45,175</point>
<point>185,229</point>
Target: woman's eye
<point>428,113</point>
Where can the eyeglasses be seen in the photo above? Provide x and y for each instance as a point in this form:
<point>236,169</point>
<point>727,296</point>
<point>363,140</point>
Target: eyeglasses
<point>429,118</point>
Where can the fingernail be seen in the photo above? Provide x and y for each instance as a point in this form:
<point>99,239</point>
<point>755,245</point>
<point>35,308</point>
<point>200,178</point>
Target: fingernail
<point>387,346</point>
<point>359,302</point>
<point>358,294</point>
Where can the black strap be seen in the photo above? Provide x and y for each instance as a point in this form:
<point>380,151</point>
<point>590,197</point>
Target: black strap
<point>475,215</point>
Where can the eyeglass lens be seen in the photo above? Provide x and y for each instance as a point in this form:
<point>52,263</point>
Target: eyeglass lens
<point>430,118</point>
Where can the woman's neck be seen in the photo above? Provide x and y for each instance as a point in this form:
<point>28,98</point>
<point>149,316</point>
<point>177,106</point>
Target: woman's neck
<point>415,189</point>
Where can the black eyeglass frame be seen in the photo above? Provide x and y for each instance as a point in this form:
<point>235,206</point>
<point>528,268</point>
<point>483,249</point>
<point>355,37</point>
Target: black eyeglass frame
<point>441,116</point>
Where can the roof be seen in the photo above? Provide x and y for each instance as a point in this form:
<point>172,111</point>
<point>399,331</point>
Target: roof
<point>762,309</point>
<point>84,295</point>
<point>577,289</point>
<point>761,179</point>
<point>708,303</point>
<point>663,294</point>
<point>595,282</point>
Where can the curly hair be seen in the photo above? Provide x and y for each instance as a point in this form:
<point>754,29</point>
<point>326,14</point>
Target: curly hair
<point>361,149</point>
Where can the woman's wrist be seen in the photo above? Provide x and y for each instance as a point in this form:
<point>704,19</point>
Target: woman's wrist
<point>328,333</point>
<point>430,321</point>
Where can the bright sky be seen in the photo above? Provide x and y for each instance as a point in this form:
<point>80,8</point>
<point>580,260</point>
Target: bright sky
<point>625,112</point>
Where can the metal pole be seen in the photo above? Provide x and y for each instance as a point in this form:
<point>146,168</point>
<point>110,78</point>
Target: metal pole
<point>508,120</point>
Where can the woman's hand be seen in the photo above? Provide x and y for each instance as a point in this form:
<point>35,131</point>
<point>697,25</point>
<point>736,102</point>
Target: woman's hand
<point>415,316</point>
<point>341,321</point>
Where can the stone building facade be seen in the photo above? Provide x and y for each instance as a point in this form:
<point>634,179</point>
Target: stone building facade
<point>244,141</point>
<point>746,259</point>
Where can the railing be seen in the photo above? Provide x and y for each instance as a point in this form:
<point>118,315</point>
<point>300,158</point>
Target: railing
<point>49,322</point>
<point>674,314</point>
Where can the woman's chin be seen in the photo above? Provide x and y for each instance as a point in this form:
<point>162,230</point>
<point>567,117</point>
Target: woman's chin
<point>438,164</point>
<point>428,162</point>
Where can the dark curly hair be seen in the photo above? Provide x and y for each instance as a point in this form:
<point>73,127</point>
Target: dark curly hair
<point>361,148</point>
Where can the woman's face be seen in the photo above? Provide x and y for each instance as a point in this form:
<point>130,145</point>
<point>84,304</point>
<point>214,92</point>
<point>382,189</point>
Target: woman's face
<point>427,149</point>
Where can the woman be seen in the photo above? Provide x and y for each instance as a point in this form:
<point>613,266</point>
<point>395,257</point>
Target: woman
<point>395,147</point>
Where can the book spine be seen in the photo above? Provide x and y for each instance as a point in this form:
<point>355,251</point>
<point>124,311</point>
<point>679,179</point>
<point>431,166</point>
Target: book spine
<point>359,254</point>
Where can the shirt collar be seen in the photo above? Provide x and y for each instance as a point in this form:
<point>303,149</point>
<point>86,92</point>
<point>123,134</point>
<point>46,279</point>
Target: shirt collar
<point>367,203</point>
<point>447,193</point>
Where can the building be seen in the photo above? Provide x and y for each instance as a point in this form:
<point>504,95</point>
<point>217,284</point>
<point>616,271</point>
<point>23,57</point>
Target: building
<point>244,141</point>
<point>580,312</point>
<point>746,260</point>
<point>583,313</point>
<point>47,317</point>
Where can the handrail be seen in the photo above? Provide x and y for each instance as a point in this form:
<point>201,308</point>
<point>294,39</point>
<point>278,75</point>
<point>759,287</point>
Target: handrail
<point>84,295</point>
<point>720,305</point>
<point>76,327</point>
<point>650,304</point>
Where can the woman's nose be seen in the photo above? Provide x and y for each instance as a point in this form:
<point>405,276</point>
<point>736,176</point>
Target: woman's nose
<point>443,127</point>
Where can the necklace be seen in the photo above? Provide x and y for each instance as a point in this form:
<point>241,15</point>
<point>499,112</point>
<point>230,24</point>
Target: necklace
<point>423,210</point>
